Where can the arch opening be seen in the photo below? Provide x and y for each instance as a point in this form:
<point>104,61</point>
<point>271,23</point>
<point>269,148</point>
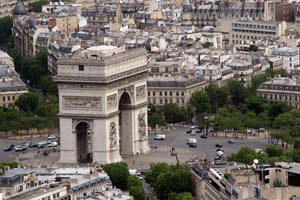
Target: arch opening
<point>84,143</point>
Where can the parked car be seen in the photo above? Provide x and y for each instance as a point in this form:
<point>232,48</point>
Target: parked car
<point>229,130</point>
<point>261,130</point>
<point>42,144</point>
<point>219,145</point>
<point>192,142</point>
<point>203,136</point>
<point>9,148</point>
<point>19,148</point>
<point>160,137</point>
<point>193,127</point>
<point>193,133</point>
<point>33,145</point>
<point>230,141</point>
<point>189,131</point>
<point>51,137</point>
<point>53,144</point>
<point>220,150</point>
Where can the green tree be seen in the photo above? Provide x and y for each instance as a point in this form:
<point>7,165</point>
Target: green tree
<point>200,101</point>
<point>28,102</point>
<point>138,193</point>
<point>237,92</point>
<point>169,178</point>
<point>218,96</point>
<point>256,104</point>
<point>274,151</point>
<point>181,196</point>
<point>244,155</point>
<point>257,80</point>
<point>6,24</point>
<point>118,174</point>
<point>37,6</point>
<point>173,113</point>
<point>156,118</point>
<point>135,186</point>
<point>277,108</point>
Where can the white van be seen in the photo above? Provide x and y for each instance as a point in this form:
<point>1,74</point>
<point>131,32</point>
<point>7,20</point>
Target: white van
<point>160,137</point>
<point>192,142</point>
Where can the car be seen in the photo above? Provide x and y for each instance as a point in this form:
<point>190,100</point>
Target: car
<point>193,133</point>
<point>42,144</point>
<point>33,145</point>
<point>53,144</point>
<point>160,137</point>
<point>229,130</point>
<point>189,131</point>
<point>193,127</point>
<point>51,137</point>
<point>219,145</point>
<point>218,157</point>
<point>220,150</point>
<point>261,130</point>
<point>230,141</point>
<point>192,142</point>
<point>198,131</point>
<point>39,146</point>
<point>248,131</point>
<point>9,148</point>
<point>19,148</point>
<point>203,136</point>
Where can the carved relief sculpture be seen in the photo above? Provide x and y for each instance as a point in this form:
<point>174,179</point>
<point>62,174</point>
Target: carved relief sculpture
<point>82,102</point>
<point>112,101</point>
<point>141,92</point>
<point>142,124</point>
<point>113,135</point>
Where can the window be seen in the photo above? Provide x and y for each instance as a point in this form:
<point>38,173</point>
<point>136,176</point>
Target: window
<point>81,67</point>
<point>149,93</point>
<point>166,93</point>
<point>8,98</point>
<point>3,98</point>
<point>153,93</point>
<point>160,93</point>
<point>171,93</point>
<point>182,93</point>
<point>13,98</point>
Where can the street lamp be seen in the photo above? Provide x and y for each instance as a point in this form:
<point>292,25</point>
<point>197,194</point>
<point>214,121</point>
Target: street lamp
<point>205,123</point>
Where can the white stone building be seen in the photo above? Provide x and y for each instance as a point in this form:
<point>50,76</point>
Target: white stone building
<point>289,56</point>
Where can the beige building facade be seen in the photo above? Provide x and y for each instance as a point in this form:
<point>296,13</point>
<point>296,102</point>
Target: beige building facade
<point>103,104</point>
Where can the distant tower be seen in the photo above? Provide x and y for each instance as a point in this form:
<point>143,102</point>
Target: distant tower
<point>20,8</point>
<point>119,14</point>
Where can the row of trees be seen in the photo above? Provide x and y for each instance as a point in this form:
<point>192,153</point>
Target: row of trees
<point>273,153</point>
<point>120,178</point>
<point>171,181</point>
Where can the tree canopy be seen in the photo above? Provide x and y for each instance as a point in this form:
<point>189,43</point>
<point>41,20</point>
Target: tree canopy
<point>168,179</point>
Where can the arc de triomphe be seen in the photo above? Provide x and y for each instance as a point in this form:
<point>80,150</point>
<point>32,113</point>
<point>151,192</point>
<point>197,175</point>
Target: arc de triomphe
<point>102,104</point>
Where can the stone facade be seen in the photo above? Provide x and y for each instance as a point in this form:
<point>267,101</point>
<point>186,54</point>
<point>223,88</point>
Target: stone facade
<point>105,88</point>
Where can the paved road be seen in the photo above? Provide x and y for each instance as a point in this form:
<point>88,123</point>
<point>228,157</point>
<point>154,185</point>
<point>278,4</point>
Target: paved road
<point>178,137</point>
<point>11,155</point>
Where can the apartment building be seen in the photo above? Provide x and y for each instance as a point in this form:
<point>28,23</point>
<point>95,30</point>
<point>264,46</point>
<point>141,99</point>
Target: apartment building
<point>289,56</point>
<point>248,31</point>
<point>11,86</point>
<point>281,89</point>
<point>162,90</point>
<point>239,182</point>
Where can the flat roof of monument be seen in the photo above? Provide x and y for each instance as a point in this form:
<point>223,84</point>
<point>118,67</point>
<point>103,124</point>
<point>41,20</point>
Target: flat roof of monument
<point>102,48</point>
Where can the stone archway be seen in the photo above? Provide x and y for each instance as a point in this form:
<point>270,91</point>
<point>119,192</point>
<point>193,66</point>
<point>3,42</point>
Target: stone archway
<point>84,142</point>
<point>125,123</point>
